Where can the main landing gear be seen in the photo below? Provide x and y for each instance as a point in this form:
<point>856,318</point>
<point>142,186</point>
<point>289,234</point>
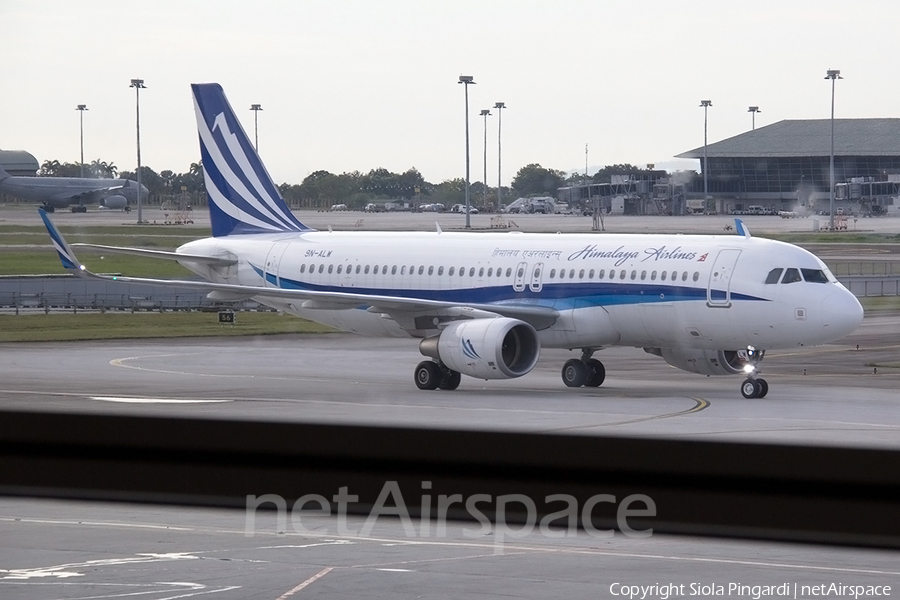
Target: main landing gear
<point>430,375</point>
<point>584,371</point>
<point>753,386</point>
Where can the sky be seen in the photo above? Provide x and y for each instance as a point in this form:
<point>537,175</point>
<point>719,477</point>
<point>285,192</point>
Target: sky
<point>355,85</point>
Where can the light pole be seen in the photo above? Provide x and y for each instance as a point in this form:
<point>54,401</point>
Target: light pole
<point>499,106</point>
<point>754,110</point>
<point>705,104</point>
<point>466,80</point>
<point>138,85</point>
<point>832,74</point>
<point>255,108</point>
<point>81,108</point>
<point>485,113</point>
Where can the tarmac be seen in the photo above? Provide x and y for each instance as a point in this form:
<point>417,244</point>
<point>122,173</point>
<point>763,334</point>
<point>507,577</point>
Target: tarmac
<point>828,395</point>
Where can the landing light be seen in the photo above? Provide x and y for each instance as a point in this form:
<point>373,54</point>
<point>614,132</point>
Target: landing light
<point>748,369</point>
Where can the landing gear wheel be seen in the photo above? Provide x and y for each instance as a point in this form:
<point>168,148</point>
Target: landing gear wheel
<point>751,388</point>
<point>596,373</point>
<point>450,380</point>
<point>574,373</point>
<point>764,388</point>
<point>428,375</point>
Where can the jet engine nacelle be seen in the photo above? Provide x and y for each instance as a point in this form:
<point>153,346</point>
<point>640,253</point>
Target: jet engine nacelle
<point>500,348</point>
<point>115,201</point>
<point>704,362</point>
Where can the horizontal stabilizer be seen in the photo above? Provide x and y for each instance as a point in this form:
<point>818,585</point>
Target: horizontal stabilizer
<point>215,261</point>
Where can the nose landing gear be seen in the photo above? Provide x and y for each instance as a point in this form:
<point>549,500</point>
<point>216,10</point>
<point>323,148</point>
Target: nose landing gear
<point>753,386</point>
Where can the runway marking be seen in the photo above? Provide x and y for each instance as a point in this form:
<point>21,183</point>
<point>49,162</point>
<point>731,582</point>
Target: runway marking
<point>143,400</point>
<point>700,404</point>
<point>95,523</point>
<point>67,570</point>
<point>306,583</point>
<point>524,548</point>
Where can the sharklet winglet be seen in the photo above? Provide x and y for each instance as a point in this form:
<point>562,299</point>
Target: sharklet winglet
<point>66,255</point>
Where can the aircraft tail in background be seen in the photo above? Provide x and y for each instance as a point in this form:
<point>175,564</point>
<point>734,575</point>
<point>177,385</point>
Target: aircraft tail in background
<point>243,199</point>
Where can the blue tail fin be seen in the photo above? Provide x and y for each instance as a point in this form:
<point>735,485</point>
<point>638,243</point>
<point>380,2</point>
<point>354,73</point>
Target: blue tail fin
<point>242,197</point>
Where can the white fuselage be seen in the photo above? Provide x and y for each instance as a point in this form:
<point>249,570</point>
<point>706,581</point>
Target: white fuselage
<point>669,291</point>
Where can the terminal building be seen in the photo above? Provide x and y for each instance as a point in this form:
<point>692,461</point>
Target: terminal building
<point>780,167</point>
<point>786,167</point>
<point>18,163</point>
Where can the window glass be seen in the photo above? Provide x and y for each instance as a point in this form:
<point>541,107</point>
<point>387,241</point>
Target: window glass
<point>340,269</point>
<point>814,275</point>
<point>471,271</point>
<point>622,274</point>
<point>696,275</point>
<point>653,276</point>
<point>684,276</point>
<point>662,276</point>
<point>571,273</point>
<point>490,271</point>
<point>643,275</point>
<point>612,273</point>
<point>451,271</point>
<point>394,270</point>
<point>321,268</point>
<point>601,274</point>
<point>366,270</point>
<point>552,273</point>
<point>440,270</point>
<point>421,269</point>
<point>481,272</point>
<point>403,270</point>
<point>581,274</point>
<point>508,271</point>
<point>774,275</point>
<point>791,276</point>
<point>674,275</point>
<point>303,268</point>
<point>357,269</point>
<point>375,270</point>
<point>431,270</point>
<point>330,268</point>
<point>562,273</point>
<point>633,275</point>
<point>591,274</point>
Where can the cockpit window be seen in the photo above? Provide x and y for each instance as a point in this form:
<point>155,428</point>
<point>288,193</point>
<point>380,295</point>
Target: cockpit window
<point>774,275</point>
<point>814,275</point>
<point>791,276</point>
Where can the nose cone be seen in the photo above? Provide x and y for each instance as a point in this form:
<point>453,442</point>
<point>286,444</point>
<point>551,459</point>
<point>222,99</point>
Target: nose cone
<point>843,313</point>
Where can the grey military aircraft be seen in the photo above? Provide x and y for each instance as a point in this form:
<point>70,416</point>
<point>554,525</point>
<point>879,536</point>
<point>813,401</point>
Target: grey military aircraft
<point>73,192</point>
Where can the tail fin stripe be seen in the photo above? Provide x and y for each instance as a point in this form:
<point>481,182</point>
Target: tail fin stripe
<point>246,168</point>
<point>222,203</point>
<point>232,179</point>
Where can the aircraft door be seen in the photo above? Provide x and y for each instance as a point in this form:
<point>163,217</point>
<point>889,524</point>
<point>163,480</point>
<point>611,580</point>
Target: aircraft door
<point>273,263</point>
<point>718,292</point>
<point>536,273</point>
<point>519,283</point>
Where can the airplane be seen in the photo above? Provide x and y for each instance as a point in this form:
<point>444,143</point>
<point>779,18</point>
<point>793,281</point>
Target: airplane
<point>74,192</point>
<point>484,304</point>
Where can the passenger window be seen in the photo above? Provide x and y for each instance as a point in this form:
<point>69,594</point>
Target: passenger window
<point>674,275</point>
<point>684,276</point>
<point>303,268</point>
<point>321,268</point>
<point>591,274</point>
<point>562,273</point>
<point>653,276</point>
<point>440,270</point>
<point>521,272</point>
<point>491,272</point>
<point>471,271</point>
<point>357,269</point>
<point>340,269</point>
<point>791,276</point>
<point>366,270</point>
<point>581,274</point>
<point>814,275</point>
<point>330,269</point>
<point>612,273</point>
<point>451,271</point>
<point>552,273</point>
<point>431,270</point>
<point>421,269</point>
<point>662,276</point>
<point>633,275</point>
<point>394,270</point>
<point>571,273</point>
<point>774,275</point>
<point>481,272</point>
<point>696,275</point>
<point>601,273</point>
<point>508,271</point>
<point>375,270</point>
<point>403,270</point>
<point>643,275</point>
<point>622,274</point>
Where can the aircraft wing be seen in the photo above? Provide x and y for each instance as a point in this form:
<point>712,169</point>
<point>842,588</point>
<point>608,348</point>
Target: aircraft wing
<point>85,196</point>
<point>208,260</point>
<point>402,309</point>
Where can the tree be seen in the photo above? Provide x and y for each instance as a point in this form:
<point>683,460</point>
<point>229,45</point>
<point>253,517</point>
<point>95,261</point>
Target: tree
<point>535,180</point>
<point>605,174</point>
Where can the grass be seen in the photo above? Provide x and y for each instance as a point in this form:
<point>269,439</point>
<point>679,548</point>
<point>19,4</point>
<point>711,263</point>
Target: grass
<point>45,261</point>
<point>841,237</point>
<point>142,325</point>
<point>880,303</point>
